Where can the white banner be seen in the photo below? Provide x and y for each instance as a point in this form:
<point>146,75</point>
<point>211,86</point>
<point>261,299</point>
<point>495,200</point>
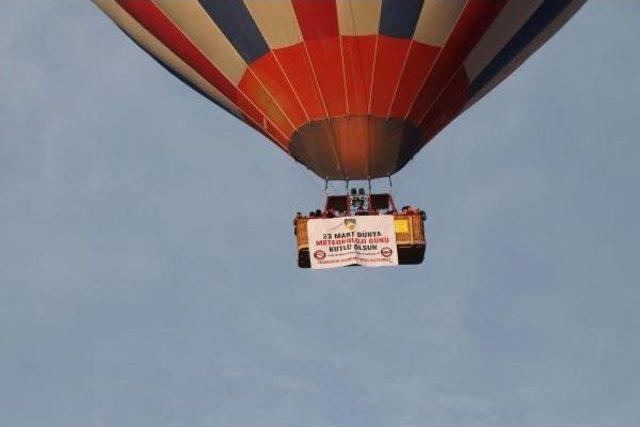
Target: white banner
<point>364,240</point>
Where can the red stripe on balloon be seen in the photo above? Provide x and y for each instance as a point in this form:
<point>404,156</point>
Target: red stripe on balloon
<point>318,21</point>
<point>325,57</point>
<point>419,62</point>
<point>358,52</point>
<point>390,59</point>
<point>268,71</point>
<point>296,65</point>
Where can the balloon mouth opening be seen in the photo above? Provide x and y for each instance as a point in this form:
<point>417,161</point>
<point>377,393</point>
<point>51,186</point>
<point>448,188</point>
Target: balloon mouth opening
<point>355,148</point>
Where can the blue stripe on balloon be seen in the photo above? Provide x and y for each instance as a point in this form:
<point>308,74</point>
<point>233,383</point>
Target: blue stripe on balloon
<point>235,21</point>
<point>542,18</point>
<point>400,17</point>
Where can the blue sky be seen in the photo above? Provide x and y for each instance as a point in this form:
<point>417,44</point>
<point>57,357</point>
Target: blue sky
<point>147,266</point>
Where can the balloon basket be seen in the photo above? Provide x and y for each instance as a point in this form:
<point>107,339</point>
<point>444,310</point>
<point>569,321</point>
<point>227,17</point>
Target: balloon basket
<point>408,224</point>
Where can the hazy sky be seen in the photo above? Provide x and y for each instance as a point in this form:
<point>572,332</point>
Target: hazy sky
<point>147,264</point>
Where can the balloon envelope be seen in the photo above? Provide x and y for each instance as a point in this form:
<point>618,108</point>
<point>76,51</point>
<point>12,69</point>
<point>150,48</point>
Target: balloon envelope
<point>352,89</point>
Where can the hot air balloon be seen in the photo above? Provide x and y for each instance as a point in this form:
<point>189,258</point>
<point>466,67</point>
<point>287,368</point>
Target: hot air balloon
<point>351,89</point>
